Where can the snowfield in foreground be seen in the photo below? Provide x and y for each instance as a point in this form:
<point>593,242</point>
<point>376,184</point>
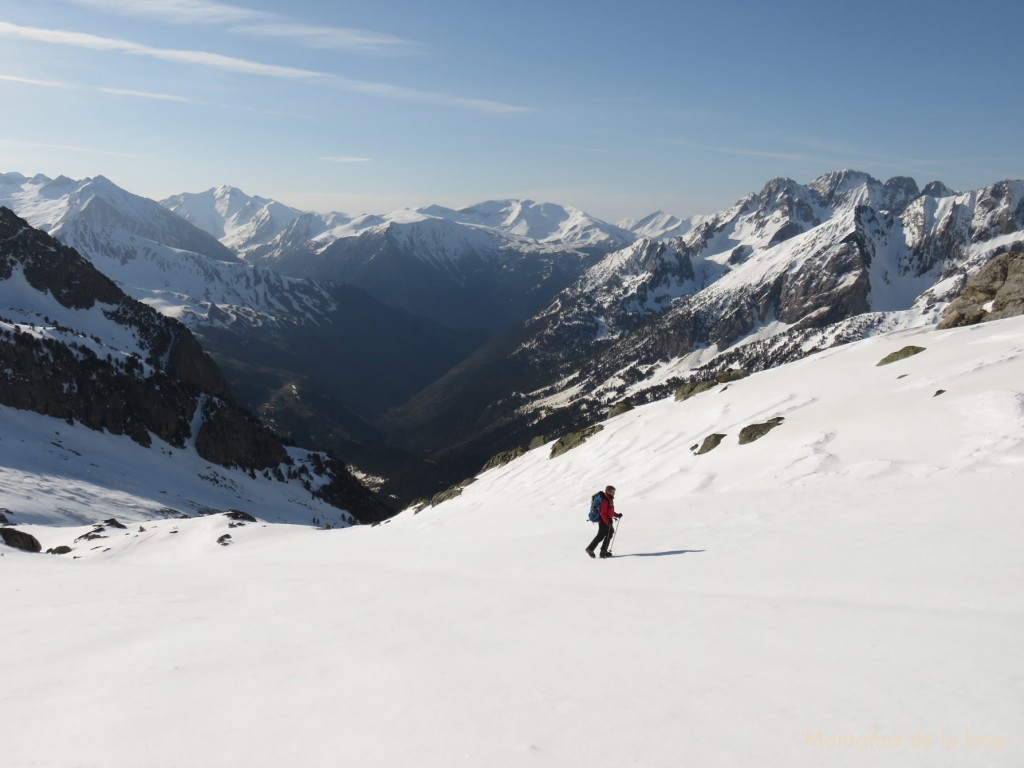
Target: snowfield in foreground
<point>845,591</point>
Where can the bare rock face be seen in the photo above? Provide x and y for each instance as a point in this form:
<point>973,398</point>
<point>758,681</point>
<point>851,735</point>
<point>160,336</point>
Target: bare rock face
<point>995,292</point>
<point>26,542</point>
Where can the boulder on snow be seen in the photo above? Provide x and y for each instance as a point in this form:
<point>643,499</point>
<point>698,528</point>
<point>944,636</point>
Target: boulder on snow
<point>691,388</point>
<point>574,439</point>
<point>901,354</point>
<point>710,443</point>
<point>237,514</point>
<point>754,432</point>
<point>26,542</point>
<point>63,549</point>
<point>3,515</point>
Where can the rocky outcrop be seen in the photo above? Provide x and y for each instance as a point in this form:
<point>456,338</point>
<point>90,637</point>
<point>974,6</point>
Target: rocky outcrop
<point>995,292</point>
<point>147,377</point>
<point>26,542</point>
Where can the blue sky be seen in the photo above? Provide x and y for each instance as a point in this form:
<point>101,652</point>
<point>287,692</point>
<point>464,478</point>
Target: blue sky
<point>618,108</point>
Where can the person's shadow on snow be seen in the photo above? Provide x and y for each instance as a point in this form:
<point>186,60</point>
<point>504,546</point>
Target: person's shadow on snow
<point>664,554</point>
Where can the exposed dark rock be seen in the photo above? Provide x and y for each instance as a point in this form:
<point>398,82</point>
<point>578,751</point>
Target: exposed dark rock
<point>4,512</point>
<point>95,533</point>
<point>26,542</point>
<point>63,549</point>
<point>574,439</point>
<point>451,493</point>
<point>710,443</point>
<point>224,540</point>
<point>504,458</point>
<point>901,354</point>
<point>754,432</point>
<point>112,522</point>
<point>230,436</point>
<point>620,408</point>
<point>237,514</point>
<point>995,292</point>
<point>691,388</point>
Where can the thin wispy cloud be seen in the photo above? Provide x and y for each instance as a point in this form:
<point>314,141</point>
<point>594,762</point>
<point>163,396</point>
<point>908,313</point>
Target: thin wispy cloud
<point>178,11</point>
<point>245,21</point>
<point>110,44</point>
<point>838,158</point>
<point>66,148</point>
<point>134,94</point>
<point>332,38</point>
<point>64,86</point>
<point>215,61</point>
<point>346,159</point>
<point>581,149</point>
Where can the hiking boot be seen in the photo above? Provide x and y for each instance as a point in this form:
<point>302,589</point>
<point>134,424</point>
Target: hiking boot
<point>605,553</point>
<point>589,552</point>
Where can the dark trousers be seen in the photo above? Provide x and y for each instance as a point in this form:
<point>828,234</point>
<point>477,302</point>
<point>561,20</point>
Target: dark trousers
<point>604,531</point>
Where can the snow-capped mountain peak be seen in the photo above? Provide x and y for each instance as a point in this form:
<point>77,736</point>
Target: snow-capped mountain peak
<point>238,220</point>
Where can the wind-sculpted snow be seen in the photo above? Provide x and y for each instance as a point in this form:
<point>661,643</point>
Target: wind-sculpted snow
<point>844,591</point>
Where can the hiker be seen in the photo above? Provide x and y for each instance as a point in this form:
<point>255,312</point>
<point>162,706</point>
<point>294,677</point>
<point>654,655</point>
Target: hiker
<point>605,530</point>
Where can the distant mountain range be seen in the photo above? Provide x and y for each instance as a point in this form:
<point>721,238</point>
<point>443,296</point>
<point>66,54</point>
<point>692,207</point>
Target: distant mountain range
<point>482,268</point>
<point>419,343</point>
<point>75,348</point>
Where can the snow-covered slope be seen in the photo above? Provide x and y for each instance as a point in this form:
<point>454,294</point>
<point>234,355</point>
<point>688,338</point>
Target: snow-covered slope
<point>842,591</point>
<point>158,257</point>
<point>844,249</point>
<point>240,221</point>
<point>60,474</point>
<point>659,225</point>
<point>543,222</point>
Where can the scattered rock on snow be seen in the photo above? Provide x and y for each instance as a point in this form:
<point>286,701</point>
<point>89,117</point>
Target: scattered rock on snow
<point>237,514</point>
<point>754,432</point>
<point>710,443</point>
<point>63,549</point>
<point>26,542</point>
<point>574,439</point>
<point>901,354</point>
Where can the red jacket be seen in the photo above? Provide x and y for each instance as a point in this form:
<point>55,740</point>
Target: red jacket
<point>607,509</point>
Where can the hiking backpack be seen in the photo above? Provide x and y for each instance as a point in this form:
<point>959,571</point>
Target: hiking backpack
<point>595,507</point>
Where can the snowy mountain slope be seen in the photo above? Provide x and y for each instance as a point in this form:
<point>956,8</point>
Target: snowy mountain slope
<point>844,588</point>
<point>75,348</point>
<point>285,343</point>
<point>247,223</point>
<point>95,215</point>
<point>542,222</point>
<point>790,269</point>
<point>56,474</point>
<point>239,221</point>
<point>468,268</point>
<point>659,225</point>
<point>146,249</point>
<point>465,276</point>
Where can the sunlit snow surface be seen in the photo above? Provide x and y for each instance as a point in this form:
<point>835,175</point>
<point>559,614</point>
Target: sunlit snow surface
<point>845,591</point>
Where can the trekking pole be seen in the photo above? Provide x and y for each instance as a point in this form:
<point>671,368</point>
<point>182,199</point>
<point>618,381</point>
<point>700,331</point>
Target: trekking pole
<point>615,533</point>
